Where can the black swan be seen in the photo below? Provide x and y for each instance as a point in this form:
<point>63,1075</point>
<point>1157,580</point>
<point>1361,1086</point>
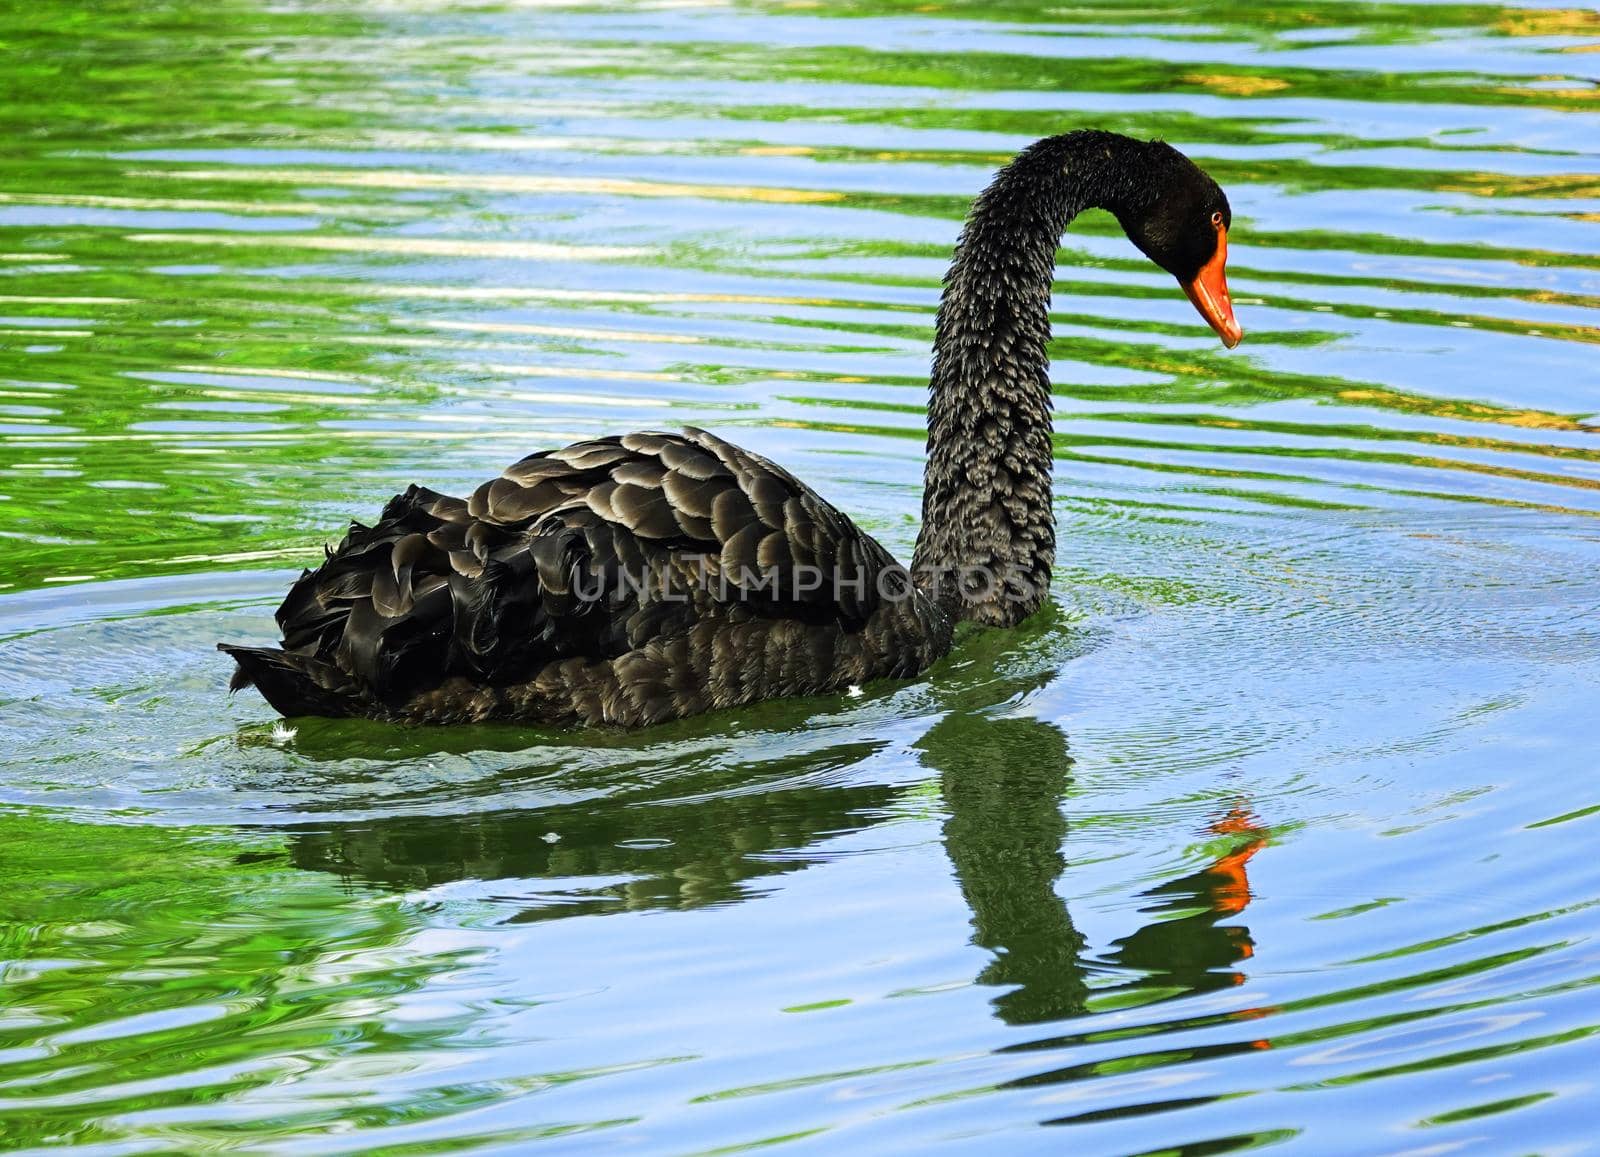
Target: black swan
<point>644,577</point>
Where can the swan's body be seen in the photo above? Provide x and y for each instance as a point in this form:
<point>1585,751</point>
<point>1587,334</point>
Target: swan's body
<point>634,579</point>
<point>625,580</point>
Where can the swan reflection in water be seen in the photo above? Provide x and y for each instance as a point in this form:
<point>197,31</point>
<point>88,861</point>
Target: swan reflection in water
<point>1003,782</point>
<point>711,830</point>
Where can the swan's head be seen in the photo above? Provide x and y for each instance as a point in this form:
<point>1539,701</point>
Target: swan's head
<point>1181,223</point>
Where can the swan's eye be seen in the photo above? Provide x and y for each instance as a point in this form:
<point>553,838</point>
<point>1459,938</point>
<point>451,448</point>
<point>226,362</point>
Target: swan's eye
<point>1216,218</point>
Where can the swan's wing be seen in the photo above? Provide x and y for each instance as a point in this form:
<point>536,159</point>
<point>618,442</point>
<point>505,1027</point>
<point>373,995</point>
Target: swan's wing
<point>766,538</point>
<point>591,550</point>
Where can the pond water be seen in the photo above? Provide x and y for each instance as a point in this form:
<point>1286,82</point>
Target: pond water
<point>1277,829</point>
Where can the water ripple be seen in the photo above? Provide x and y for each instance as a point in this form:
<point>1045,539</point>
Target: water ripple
<point>1272,831</point>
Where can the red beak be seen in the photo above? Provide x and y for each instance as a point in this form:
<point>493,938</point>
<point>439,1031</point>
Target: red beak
<point>1209,292</point>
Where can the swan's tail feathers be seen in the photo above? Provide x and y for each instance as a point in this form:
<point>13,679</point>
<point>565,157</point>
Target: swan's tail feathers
<point>294,684</point>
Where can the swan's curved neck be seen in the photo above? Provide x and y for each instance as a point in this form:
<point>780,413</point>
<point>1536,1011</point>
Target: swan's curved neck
<point>988,536</point>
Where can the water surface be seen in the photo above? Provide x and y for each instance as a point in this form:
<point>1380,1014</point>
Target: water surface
<point>1275,830</point>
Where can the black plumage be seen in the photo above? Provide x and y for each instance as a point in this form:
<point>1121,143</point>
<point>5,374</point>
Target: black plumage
<point>633,579</point>
<point>570,590</point>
